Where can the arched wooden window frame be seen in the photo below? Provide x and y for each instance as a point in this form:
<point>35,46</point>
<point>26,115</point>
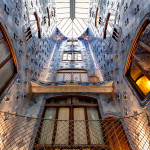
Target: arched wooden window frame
<point>97,16</point>
<point>11,56</point>
<point>71,118</point>
<point>38,24</point>
<point>129,61</point>
<point>48,16</point>
<point>106,24</point>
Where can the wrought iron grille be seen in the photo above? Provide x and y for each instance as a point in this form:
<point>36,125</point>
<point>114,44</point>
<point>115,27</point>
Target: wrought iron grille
<point>23,133</point>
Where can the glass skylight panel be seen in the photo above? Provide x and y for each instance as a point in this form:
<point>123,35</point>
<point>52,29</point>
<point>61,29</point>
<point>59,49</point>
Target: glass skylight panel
<point>72,27</point>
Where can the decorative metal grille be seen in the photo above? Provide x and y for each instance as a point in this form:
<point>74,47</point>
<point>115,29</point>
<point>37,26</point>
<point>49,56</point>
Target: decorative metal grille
<point>23,133</point>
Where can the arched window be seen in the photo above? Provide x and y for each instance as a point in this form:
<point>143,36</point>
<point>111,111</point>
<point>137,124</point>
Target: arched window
<point>138,65</point>
<point>109,27</point>
<point>97,17</point>
<point>8,66</point>
<point>35,26</point>
<point>74,124</point>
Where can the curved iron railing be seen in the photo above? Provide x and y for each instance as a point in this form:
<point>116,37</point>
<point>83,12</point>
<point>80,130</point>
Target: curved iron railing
<point>22,133</point>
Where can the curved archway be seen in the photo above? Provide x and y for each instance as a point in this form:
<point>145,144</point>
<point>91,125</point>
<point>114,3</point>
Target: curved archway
<point>115,134</point>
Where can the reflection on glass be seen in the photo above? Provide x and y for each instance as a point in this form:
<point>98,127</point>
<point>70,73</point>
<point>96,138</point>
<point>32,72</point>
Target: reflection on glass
<point>144,84</point>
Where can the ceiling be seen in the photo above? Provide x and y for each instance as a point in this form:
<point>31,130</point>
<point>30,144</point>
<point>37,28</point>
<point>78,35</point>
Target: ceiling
<point>72,17</point>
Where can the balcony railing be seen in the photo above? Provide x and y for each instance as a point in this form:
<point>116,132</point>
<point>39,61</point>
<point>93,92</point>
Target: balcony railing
<point>75,76</point>
<point>21,132</point>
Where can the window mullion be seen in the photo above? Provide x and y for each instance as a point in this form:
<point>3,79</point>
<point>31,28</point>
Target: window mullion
<point>87,126</point>
<point>55,126</point>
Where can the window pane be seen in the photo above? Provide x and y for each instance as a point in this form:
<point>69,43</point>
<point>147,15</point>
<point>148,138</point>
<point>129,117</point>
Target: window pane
<point>59,77</point>
<point>80,136</point>
<point>69,56</point>
<point>67,77</point>
<point>62,133</point>
<point>142,56</point>
<point>76,77</point>
<point>1,35</point>
<point>47,126</point>
<point>65,57</point>
<point>4,51</point>
<point>144,84</point>
<point>79,57</point>
<point>135,72</point>
<point>84,77</point>
<point>94,126</point>
<point>6,72</point>
<point>145,37</point>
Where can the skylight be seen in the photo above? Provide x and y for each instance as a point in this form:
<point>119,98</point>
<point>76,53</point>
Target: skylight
<point>72,17</point>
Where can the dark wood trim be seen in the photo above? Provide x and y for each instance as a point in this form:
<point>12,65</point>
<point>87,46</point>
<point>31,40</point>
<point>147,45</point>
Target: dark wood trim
<point>71,105</point>
<point>38,24</point>
<point>5,61</point>
<point>48,17</point>
<point>73,146</point>
<point>87,126</point>
<point>144,46</point>
<point>108,16</point>
<point>55,127</point>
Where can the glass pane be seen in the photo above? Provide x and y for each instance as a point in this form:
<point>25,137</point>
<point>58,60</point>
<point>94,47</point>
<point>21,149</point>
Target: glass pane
<point>94,126</point>
<point>4,51</point>
<point>62,133</point>
<point>47,126</point>
<point>69,56</point>
<point>6,72</point>
<point>59,101</point>
<point>79,57</point>
<point>80,136</point>
<point>76,76</point>
<point>135,72</point>
<point>59,77</point>
<point>84,77</point>
<point>142,56</point>
<point>65,57</point>
<point>145,37</point>
<point>82,100</point>
<point>67,77</point>
<point>144,84</point>
<point>1,35</point>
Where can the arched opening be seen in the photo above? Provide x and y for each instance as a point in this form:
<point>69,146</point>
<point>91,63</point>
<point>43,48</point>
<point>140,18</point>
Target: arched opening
<point>8,64</point>
<point>71,122</point>
<point>115,134</point>
<point>138,64</point>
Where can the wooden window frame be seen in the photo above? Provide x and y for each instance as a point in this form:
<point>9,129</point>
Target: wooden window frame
<point>132,60</point>
<point>71,72</point>
<point>72,55</point>
<point>11,56</point>
<point>71,117</point>
<point>38,25</point>
<point>96,18</point>
<point>48,16</point>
